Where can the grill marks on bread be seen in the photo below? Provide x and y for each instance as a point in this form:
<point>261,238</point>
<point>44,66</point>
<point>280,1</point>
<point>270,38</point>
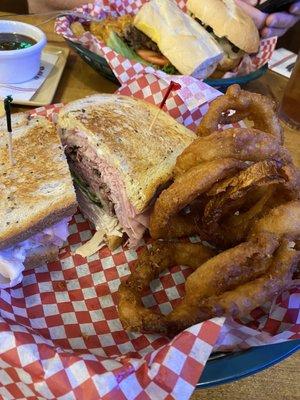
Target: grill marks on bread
<point>39,184</point>
<point>38,165</point>
<point>118,128</point>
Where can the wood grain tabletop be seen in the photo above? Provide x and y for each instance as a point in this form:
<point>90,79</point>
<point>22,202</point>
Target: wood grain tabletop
<point>280,382</point>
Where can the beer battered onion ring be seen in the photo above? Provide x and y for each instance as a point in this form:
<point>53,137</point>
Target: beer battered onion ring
<point>244,197</point>
<point>239,302</point>
<point>233,282</point>
<point>253,106</point>
<point>150,264</point>
<point>184,190</point>
<point>244,144</point>
<point>236,196</point>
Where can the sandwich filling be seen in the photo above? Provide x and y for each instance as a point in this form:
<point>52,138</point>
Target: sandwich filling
<point>100,183</point>
<point>13,258</point>
<point>162,36</point>
<point>123,37</point>
<point>147,49</point>
<point>232,54</point>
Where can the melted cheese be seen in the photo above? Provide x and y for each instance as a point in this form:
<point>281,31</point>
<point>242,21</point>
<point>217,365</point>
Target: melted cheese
<point>105,224</point>
<point>179,37</point>
<point>93,245</point>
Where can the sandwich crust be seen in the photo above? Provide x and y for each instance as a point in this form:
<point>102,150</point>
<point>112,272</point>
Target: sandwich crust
<point>37,191</point>
<point>117,127</point>
<point>227,20</point>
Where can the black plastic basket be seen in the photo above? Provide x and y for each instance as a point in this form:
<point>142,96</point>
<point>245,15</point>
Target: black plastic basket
<point>100,65</point>
<point>95,61</point>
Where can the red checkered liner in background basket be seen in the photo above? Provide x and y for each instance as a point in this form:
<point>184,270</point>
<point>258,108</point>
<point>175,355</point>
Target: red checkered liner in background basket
<point>60,335</point>
<point>123,68</point>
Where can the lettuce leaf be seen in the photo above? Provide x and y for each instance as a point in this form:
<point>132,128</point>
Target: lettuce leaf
<point>170,69</point>
<point>85,188</point>
<point>118,45</point>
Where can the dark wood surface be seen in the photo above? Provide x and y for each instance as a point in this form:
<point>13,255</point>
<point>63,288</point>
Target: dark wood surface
<point>14,6</point>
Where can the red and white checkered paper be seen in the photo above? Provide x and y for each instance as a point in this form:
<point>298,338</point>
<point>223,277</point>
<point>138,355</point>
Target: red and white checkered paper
<point>60,334</point>
<point>125,69</point>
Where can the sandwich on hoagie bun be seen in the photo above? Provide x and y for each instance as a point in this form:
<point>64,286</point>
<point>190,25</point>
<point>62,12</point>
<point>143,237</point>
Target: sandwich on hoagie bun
<point>212,40</point>
<point>230,26</point>
<point>163,36</point>
<point>178,37</point>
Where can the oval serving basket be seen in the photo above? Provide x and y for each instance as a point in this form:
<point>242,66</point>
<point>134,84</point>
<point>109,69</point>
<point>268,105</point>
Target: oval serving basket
<point>100,65</point>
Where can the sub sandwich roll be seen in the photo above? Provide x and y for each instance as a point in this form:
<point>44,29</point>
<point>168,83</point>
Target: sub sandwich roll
<point>180,39</point>
<point>230,26</point>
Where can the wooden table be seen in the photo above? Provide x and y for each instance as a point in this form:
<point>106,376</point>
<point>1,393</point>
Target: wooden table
<point>280,382</point>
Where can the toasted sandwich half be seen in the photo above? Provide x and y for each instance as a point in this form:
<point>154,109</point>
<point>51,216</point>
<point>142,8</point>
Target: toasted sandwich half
<point>118,163</point>
<point>37,197</point>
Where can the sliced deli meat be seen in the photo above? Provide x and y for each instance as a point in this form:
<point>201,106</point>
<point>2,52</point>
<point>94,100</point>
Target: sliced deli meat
<point>117,161</point>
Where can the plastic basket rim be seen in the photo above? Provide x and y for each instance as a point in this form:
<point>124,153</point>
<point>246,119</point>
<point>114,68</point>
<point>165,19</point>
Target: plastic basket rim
<point>83,51</point>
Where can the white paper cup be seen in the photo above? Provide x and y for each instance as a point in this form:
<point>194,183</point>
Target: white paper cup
<point>18,66</point>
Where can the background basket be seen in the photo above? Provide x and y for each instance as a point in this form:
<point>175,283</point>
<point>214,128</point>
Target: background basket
<point>100,65</point>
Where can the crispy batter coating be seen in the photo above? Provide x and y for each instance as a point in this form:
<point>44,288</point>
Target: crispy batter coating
<point>162,255</point>
<point>233,282</point>
<point>228,206</point>
<point>187,188</point>
<point>283,221</point>
<point>230,268</point>
<point>256,107</point>
<point>243,144</point>
<point>236,226</point>
<point>222,274</point>
<point>245,298</point>
<point>238,202</point>
<point>230,196</point>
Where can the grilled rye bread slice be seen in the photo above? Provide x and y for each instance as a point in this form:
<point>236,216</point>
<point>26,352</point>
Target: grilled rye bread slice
<point>37,191</point>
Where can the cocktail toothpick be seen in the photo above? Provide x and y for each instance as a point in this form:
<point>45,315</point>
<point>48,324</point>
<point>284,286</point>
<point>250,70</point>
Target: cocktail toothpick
<point>172,86</point>
<point>7,102</point>
<point>2,110</point>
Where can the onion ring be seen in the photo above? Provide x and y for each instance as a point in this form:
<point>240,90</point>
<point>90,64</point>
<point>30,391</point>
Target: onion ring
<point>133,314</point>
<point>244,144</point>
<point>185,189</point>
<point>245,298</point>
<point>230,195</point>
<point>223,273</point>
<point>217,275</point>
<point>283,221</point>
<point>256,107</point>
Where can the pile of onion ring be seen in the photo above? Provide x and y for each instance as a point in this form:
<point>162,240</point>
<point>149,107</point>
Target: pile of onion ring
<point>238,190</point>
